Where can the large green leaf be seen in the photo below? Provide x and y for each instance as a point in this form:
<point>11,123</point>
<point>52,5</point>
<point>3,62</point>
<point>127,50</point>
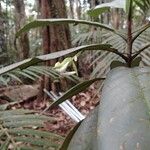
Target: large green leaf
<point>105,6</point>
<point>46,22</point>
<point>144,5</point>
<point>85,136</point>
<point>122,121</point>
<point>69,137</point>
<point>32,61</point>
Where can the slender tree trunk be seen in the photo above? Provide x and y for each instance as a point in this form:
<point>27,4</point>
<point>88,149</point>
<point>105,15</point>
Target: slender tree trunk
<point>78,9</point>
<point>59,34</point>
<point>116,18</point>
<point>55,38</point>
<point>20,19</point>
<point>3,44</point>
<point>71,3</point>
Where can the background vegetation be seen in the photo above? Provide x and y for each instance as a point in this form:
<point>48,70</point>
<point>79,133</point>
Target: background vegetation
<point>27,129</point>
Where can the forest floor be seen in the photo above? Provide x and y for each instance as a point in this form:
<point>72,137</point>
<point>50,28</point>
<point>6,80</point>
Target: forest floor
<point>24,96</point>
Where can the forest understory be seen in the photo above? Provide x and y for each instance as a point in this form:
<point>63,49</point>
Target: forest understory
<point>25,97</point>
<point>74,74</point>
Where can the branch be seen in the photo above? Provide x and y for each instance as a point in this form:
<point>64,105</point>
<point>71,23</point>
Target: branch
<point>141,50</point>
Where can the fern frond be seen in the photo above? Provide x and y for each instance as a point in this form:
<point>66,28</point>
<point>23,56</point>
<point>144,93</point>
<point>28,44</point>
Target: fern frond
<point>33,73</point>
<point>19,129</point>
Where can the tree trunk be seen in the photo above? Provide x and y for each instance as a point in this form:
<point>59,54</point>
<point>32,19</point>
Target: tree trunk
<point>3,45</point>
<point>20,20</point>
<point>116,18</point>
<point>71,3</point>
<point>55,38</point>
<point>78,9</point>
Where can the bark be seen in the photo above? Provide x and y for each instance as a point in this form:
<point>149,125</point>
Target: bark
<point>3,45</point>
<point>116,18</point>
<point>78,9</point>
<point>71,3</point>
<point>59,34</point>
<point>20,20</point>
<point>55,38</point>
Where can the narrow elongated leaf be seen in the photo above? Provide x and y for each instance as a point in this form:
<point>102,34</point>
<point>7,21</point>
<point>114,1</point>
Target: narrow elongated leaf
<point>14,77</point>
<point>32,61</point>
<point>38,142</point>
<point>46,22</point>
<point>144,5</point>
<point>141,50</point>
<point>22,126</point>
<point>75,90</point>
<point>15,112</point>
<point>69,137</point>
<point>35,133</point>
<point>25,75</point>
<point>140,31</point>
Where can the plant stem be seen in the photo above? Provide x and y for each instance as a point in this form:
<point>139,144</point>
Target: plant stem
<point>129,38</point>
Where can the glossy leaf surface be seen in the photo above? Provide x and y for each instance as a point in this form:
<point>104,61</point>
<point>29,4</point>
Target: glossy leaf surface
<point>122,119</point>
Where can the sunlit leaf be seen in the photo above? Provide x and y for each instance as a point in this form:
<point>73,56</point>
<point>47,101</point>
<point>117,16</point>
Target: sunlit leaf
<point>105,7</point>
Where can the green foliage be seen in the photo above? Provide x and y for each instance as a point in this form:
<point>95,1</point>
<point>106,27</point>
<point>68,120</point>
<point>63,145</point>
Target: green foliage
<point>144,5</point>
<point>45,22</point>
<point>35,72</point>
<point>106,6</point>
<point>88,133</point>
<point>104,60</point>
<point>69,137</point>
<point>32,61</point>
<point>19,129</point>
<point>75,90</point>
<point>101,61</point>
<point>122,118</point>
